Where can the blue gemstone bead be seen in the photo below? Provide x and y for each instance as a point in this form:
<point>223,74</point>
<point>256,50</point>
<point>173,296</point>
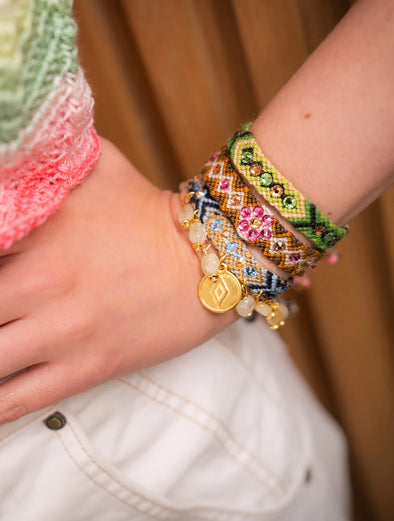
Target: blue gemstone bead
<point>232,248</point>
<point>250,271</point>
<point>216,225</point>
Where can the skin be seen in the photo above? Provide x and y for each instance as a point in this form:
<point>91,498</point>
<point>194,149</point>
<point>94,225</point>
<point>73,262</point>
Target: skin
<point>107,285</point>
<point>90,303</point>
<point>331,127</point>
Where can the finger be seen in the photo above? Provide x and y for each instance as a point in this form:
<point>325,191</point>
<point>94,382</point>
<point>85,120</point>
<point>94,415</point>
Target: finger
<point>26,392</point>
<point>25,282</point>
<point>40,386</point>
<point>14,303</point>
<point>5,258</point>
<point>23,343</point>
<point>19,292</point>
<point>12,250</point>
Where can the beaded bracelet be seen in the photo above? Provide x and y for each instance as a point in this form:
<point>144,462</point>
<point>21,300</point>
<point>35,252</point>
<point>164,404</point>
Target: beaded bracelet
<point>255,222</point>
<point>250,161</point>
<point>220,290</point>
<point>224,237</point>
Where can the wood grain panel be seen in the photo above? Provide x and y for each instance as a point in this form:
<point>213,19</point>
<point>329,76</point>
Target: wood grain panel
<point>302,340</point>
<point>126,110</point>
<point>192,57</point>
<point>354,323</point>
<point>274,42</point>
<point>386,209</point>
<point>319,18</point>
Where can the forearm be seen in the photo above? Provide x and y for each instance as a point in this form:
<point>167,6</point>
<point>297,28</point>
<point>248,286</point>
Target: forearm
<point>330,130</point>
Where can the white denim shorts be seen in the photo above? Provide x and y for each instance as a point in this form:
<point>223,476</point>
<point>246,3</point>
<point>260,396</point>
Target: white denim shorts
<point>227,432</point>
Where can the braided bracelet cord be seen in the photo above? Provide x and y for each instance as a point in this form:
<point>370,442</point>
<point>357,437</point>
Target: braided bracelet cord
<point>222,234</point>
<point>255,222</point>
<point>250,161</point>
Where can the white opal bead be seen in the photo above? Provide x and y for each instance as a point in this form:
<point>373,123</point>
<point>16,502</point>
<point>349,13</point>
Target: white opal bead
<point>185,213</point>
<point>263,308</point>
<point>245,306</point>
<point>197,233</point>
<point>209,264</point>
<point>284,312</point>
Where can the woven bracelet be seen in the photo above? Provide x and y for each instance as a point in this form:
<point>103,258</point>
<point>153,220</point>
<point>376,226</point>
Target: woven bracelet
<point>250,161</point>
<point>255,222</point>
<point>223,236</point>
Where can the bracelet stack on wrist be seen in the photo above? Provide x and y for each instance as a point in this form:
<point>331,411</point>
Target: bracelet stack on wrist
<point>222,212</point>
<point>254,221</point>
<point>228,278</point>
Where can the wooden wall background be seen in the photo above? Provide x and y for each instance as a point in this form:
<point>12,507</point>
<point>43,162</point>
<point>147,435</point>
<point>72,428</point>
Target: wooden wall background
<point>172,80</point>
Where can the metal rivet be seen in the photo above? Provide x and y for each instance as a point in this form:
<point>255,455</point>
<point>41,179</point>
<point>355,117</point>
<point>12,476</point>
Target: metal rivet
<point>55,421</point>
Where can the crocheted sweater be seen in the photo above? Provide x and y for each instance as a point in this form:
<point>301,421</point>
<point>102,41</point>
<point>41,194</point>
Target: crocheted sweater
<point>47,140</point>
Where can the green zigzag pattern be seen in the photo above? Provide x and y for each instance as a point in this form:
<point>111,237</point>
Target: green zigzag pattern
<point>304,216</point>
<point>37,45</point>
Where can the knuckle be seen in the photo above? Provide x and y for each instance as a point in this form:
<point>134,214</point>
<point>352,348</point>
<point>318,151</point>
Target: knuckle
<point>65,325</point>
<point>100,364</point>
<point>81,326</point>
<point>37,283</point>
<point>50,282</point>
<point>11,409</point>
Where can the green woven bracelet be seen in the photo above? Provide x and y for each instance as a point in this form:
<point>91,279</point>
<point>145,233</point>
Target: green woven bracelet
<point>250,161</point>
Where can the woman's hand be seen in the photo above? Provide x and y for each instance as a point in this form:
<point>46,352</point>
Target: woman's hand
<point>105,286</point>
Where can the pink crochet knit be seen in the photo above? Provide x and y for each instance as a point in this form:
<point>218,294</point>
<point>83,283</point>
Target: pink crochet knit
<point>47,140</point>
<point>52,159</point>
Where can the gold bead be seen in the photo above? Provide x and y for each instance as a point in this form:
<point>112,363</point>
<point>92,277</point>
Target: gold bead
<point>275,318</point>
<point>185,225</point>
<point>197,246</point>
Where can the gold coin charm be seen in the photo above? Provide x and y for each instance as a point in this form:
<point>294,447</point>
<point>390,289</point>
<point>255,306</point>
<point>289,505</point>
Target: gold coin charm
<point>221,292</point>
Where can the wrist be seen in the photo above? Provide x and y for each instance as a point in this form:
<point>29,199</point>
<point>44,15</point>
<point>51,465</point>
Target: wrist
<point>188,267</point>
